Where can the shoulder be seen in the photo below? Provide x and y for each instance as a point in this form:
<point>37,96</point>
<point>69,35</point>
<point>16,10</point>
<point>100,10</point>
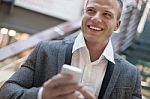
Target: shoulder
<point>57,43</point>
<point>52,43</point>
<point>52,46</point>
<point>125,65</point>
<point>129,73</point>
<point>48,46</point>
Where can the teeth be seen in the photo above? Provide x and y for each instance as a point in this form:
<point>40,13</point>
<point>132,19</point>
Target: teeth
<point>95,28</point>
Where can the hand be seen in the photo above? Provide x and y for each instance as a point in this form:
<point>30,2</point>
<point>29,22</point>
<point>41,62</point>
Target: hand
<point>60,87</point>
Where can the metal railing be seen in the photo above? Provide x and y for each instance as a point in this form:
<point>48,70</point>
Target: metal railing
<point>49,34</point>
<point>131,21</point>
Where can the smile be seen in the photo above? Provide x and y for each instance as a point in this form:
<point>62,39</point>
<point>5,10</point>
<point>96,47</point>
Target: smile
<point>95,28</point>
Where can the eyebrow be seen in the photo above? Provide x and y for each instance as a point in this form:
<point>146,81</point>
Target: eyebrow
<point>109,11</point>
<point>105,9</point>
<point>96,7</point>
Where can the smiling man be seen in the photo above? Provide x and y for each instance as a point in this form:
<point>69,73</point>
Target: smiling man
<point>105,74</point>
<point>100,19</point>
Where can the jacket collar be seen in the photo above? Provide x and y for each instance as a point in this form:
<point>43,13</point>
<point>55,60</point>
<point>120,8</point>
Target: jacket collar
<point>110,78</point>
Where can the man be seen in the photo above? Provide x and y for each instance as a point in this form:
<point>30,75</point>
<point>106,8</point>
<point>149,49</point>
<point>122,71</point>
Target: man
<point>105,75</point>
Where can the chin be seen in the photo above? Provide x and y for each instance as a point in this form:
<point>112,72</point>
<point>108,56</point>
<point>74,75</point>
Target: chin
<point>90,38</point>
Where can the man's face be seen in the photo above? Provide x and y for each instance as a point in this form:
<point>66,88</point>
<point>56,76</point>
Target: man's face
<point>100,20</point>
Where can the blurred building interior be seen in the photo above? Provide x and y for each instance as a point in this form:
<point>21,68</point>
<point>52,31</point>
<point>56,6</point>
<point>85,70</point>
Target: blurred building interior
<point>21,28</point>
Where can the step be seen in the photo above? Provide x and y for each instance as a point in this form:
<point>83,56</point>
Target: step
<point>147,27</point>
<point>139,48</point>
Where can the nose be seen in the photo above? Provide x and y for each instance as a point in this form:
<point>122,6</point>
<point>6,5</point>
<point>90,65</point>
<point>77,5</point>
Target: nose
<point>96,18</point>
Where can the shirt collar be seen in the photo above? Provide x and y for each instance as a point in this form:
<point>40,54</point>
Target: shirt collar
<point>108,51</point>
<point>79,42</point>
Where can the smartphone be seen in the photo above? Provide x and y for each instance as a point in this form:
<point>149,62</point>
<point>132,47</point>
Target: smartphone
<point>74,71</point>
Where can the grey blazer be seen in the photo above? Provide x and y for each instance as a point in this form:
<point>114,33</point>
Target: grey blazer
<point>121,80</point>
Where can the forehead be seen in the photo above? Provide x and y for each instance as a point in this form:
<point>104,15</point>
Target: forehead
<point>107,4</point>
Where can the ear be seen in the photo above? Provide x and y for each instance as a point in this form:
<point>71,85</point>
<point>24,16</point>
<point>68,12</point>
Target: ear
<point>117,25</point>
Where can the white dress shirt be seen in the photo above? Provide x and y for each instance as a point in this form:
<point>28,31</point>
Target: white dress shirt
<point>93,72</point>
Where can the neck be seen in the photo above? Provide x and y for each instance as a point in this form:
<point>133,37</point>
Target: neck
<point>96,50</point>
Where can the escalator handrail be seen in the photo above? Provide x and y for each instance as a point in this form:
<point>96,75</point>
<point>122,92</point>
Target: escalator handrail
<point>49,34</point>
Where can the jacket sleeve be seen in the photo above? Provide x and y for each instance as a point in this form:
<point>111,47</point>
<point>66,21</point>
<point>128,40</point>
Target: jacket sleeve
<point>137,88</point>
<point>20,85</point>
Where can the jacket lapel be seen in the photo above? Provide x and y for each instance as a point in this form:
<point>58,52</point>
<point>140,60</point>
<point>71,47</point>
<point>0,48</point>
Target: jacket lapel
<point>109,81</point>
<point>106,79</point>
<point>65,54</point>
<point>61,56</point>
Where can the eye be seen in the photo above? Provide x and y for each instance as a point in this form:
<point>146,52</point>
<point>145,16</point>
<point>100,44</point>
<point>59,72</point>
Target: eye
<point>90,11</point>
<point>108,15</point>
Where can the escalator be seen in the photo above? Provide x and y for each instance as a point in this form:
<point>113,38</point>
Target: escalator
<point>139,54</point>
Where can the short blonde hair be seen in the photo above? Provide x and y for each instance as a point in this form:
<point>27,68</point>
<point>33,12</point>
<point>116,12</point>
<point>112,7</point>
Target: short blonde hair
<point>85,3</point>
<point>120,4</point>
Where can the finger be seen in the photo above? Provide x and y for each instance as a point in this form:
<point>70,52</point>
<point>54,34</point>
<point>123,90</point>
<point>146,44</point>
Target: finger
<point>67,96</point>
<point>58,80</point>
<point>79,95</point>
<point>66,89</point>
<point>49,86</point>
